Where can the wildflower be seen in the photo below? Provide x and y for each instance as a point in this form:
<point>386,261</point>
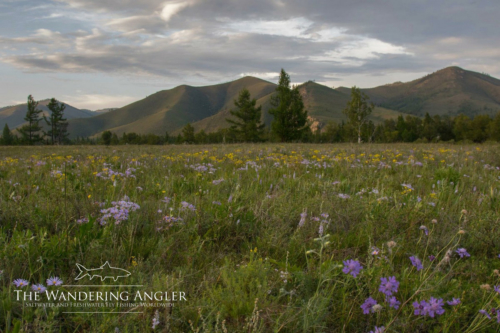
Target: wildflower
<point>420,308</point>
<point>156,319</point>
<point>424,228</point>
<point>166,200</point>
<point>462,252</point>
<point>344,196</point>
<point>380,329</point>
<point>54,281</point>
<point>464,212</point>
<point>388,286</point>
<point>454,301</point>
<point>485,313</point>
<point>20,283</point>
<point>416,262</point>
<point>393,302</point>
<point>230,199</point>
<point>434,306</point>
<point>377,308</point>
<point>496,272</point>
<point>352,267</point>
<point>375,251</point>
<point>391,244</point>
<point>367,306</point>
<point>461,232</point>
<point>82,220</point>
<point>302,221</point>
<point>431,257</point>
<point>485,286</point>
<point>39,288</point>
<point>216,203</point>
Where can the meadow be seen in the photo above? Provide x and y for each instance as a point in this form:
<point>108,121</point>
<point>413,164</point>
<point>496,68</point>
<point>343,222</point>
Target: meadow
<point>259,237</point>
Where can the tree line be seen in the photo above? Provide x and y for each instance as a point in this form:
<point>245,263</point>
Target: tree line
<point>290,124</point>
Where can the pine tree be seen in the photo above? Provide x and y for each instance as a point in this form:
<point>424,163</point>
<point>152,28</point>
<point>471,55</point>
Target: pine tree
<point>249,128</point>
<point>58,126</point>
<point>188,133</point>
<point>31,129</point>
<point>7,137</point>
<point>290,117</point>
<point>358,109</point>
<point>106,137</point>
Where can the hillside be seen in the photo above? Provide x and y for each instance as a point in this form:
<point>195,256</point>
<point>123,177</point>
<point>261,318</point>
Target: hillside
<point>322,103</point>
<point>170,110</point>
<point>14,115</point>
<point>450,91</point>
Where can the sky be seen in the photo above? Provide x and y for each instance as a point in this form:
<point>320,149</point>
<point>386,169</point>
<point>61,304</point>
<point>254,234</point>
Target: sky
<point>108,53</point>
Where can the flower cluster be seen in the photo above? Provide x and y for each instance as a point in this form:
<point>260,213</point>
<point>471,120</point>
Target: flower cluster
<point>119,212</point>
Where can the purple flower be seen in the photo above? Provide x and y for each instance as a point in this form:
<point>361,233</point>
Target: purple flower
<point>462,252</point>
<point>20,283</point>
<point>39,288</point>
<point>216,203</point>
<point>485,313</point>
<point>380,329</point>
<point>54,281</point>
<point>431,258</point>
<point>416,262</point>
<point>352,267</point>
<point>166,200</point>
<point>420,308</point>
<point>367,306</point>
<point>393,302</point>
<point>434,306</point>
<point>497,289</point>
<point>454,301</point>
<point>388,286</point>
<point>302,221</point>
<point>424,228</point>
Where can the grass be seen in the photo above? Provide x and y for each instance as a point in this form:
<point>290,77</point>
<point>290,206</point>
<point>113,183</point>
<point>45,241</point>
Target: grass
<point>242,255</point>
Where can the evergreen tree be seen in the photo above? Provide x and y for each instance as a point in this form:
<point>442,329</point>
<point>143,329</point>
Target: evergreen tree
<point>30,131</point>
<point>290,117</point>
<point>188,133</point>
<point>249,128</point>
<point>358,109</point>
<point>495,128</point>
<point>7,137</point>
<point>167,137</point>
<point>58,126</point>
<point>106,137</point>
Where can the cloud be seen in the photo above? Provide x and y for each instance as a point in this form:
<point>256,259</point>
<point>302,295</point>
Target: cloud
<point>208,41</point>
<point>97,101</point>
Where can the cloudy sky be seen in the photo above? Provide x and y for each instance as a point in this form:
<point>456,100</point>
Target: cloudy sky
<point>107,53</point>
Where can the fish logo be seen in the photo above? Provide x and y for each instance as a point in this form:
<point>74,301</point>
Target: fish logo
<point>104,272</point>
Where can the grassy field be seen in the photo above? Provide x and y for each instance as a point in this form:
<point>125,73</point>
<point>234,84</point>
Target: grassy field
<point>260,238</point>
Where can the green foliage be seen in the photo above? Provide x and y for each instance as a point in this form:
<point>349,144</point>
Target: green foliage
<point>358,109</point>
<point>248,126</point>
<point>290,116</point>
<point>7,136</point>
<point>30,131</point>
<point>106,137</point>
<point>188,134</point>
<point>248,264</point>
<point>58,126</point>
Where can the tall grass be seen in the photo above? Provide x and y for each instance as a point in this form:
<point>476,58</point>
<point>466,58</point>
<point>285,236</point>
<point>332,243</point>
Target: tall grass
<point>240,252</point>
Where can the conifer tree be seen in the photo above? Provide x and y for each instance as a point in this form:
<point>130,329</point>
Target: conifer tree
<point>188,133</point>
<point>290,116</point>
<point>7,137</point>
<point>30,131</point>
<point>249,127</point>
<point>58,126</point>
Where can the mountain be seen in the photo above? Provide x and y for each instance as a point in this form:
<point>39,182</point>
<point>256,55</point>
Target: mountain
<point>449,91</point>
<point>207,108</point>
<point>323,104</point>
<point>170,110</point>
<point>14,115</point>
